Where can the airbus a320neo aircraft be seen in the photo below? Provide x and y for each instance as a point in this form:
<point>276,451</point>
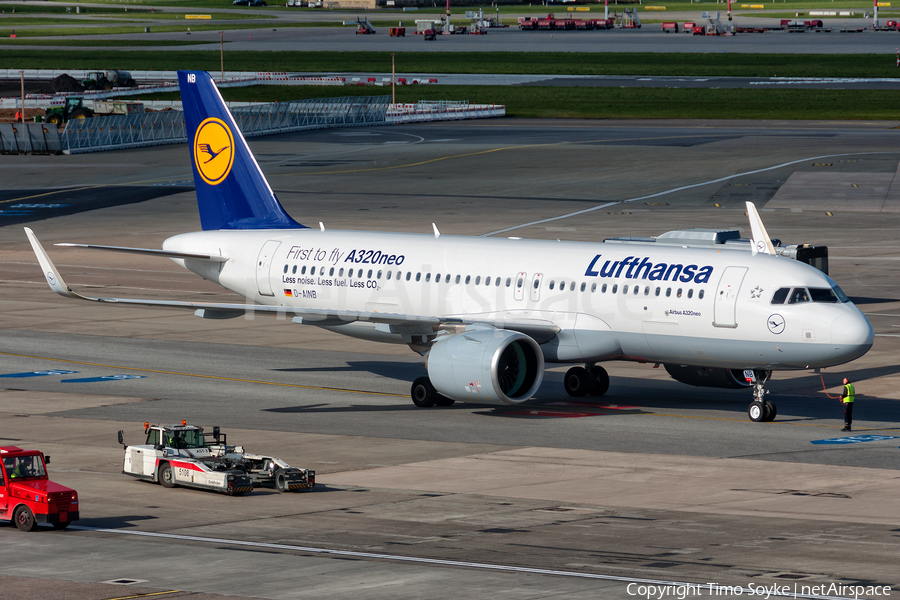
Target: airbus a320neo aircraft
<point>488,313</point>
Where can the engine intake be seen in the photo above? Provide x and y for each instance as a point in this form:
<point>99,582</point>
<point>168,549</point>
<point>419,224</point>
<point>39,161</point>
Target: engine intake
<point>488,365</point>
<point>716,377</point>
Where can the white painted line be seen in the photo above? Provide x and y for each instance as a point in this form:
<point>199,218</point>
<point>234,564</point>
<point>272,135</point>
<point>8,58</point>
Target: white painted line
<point>712,587</point>
<point>671,191</point>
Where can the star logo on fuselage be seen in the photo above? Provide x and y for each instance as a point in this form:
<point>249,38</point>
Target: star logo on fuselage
<point>756,292</point>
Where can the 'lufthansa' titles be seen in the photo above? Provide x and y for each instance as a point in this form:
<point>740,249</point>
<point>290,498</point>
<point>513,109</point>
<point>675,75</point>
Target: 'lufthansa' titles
<point>632,267</point>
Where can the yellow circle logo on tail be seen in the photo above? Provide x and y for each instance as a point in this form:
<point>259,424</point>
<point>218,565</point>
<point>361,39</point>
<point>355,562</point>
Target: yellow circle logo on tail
<point>213,151</point>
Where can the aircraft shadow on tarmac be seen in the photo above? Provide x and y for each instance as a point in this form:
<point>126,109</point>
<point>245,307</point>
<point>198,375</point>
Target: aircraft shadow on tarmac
<point>391,369</point>
<point>635,395</point>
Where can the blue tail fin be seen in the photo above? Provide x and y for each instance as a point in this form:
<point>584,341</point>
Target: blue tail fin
<point>232,191</point>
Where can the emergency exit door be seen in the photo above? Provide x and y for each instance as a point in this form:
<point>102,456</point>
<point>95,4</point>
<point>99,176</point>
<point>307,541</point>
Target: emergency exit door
<point>725,305</point>
<point>263,267</point>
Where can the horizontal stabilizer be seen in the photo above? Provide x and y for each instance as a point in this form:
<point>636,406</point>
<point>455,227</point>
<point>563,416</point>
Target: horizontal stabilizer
<point>149,252</point>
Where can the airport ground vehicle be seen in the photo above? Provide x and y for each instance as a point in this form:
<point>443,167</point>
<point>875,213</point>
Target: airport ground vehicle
<point>107,80</point>
<point>185,455</point>
<point>74,108</point>
<point>28,497</point>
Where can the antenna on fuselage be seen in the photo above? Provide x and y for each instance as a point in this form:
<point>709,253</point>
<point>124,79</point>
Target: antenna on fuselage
<point>760,240</point>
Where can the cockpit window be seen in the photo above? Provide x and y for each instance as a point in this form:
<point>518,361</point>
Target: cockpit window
<point>823,295</point>
<point>799,295</point>
<point>780,296</point>
<point>840,294</point>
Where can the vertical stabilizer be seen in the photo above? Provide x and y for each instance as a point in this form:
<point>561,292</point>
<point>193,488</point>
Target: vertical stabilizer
<point>232,192</point>
<point>760,242</point>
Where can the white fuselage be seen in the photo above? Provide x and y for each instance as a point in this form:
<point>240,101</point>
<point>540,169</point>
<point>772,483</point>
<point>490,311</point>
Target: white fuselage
<point>708,307</point>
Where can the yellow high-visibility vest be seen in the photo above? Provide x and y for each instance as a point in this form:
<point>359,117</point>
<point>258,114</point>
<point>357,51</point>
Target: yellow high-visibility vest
<point>850,393</point>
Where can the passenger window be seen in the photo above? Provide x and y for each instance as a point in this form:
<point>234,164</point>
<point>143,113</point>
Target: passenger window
<point>615,287</point>
<point>427,277</point>
<point>780,295</point>
<point>509,281</point>
<point>285,268</point>
<point>341,273</point>
<point>408,275</point>
<point>331,272</point>
<point>679,292</point>
<point>624,289</point>
<point>447,278</point>
<point>487,281</point>
<point>691,293</point>
<point>437,278</point>
<point>294,270</point>
<point>603,289</point>
<point>478,280</point>
<point>562,286</point>
<point>312,271</point>
<point>303,270</point>
<point>668,292</point>
<point>497,282</point>
<point>658,290</point>
<point>369,275</point>
<point>418,276</point>
<point>359,274</point>
<point>700,295</point>
<point>519,282</point>
<point>647,291</point>
<point>572,287</point>
<point>469,278</point>
<point>458,277</point>
<point>637,289</point>
<point>537,283</point>
<point>799,295</point>
<point>552,283</point>
<point>593,287</point>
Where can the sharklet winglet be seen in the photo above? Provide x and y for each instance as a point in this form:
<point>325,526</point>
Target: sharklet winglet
<point>760,241</point>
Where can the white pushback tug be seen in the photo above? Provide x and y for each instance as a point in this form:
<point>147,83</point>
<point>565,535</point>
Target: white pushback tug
<point>185,455</point>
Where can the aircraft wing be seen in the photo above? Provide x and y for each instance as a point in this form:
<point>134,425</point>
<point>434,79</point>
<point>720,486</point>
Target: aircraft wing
<point>148,251</point>
<point>306,316</point>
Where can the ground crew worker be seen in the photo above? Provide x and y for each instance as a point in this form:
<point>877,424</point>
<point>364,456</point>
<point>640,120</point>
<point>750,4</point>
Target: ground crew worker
<point>847,399</point>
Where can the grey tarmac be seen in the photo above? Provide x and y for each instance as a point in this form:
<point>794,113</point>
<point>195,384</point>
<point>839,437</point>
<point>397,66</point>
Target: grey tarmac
<point>655,481</point>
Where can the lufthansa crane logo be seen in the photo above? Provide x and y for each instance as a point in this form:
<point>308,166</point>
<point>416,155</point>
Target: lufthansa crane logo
<point>213,151</point>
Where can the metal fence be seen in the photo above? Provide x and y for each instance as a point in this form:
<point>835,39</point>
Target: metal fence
<point>167,127</point>
<point>29,138</point>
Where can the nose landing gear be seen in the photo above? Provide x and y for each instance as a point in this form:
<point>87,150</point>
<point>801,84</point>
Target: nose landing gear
<point>761,410</point>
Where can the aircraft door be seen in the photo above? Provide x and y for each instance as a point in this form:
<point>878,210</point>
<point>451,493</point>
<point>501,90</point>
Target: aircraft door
<point>264,265</point>
<point>536,287</point>
<point>520,286</point>
<point>726,297</point>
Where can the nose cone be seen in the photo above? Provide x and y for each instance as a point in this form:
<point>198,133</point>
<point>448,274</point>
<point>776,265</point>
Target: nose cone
<point>852,335</point>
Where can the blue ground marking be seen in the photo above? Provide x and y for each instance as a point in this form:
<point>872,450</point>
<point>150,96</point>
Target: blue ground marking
<point>38,373</point>
<point>856,439</point>
<point>103,378</point>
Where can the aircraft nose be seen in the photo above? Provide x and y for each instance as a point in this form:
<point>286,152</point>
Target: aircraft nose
<point>852,335</point>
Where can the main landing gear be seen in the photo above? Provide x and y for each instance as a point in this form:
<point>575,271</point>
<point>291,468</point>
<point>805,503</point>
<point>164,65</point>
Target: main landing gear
<point>425,396</point>
<point>587,380</point>
<point>761,410</point>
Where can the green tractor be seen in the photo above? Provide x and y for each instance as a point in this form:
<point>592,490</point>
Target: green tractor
<point>74,108</point>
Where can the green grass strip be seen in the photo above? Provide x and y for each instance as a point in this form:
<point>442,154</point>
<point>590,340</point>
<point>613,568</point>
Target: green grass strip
<point>615,103</point>
<point>677,64</point>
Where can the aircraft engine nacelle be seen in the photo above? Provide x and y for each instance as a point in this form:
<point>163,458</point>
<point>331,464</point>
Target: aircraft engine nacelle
<point>487,365</point>
<point>708,376</point>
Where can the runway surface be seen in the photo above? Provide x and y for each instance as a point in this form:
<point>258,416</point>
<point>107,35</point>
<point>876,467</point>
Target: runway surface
<point>654,481</point>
